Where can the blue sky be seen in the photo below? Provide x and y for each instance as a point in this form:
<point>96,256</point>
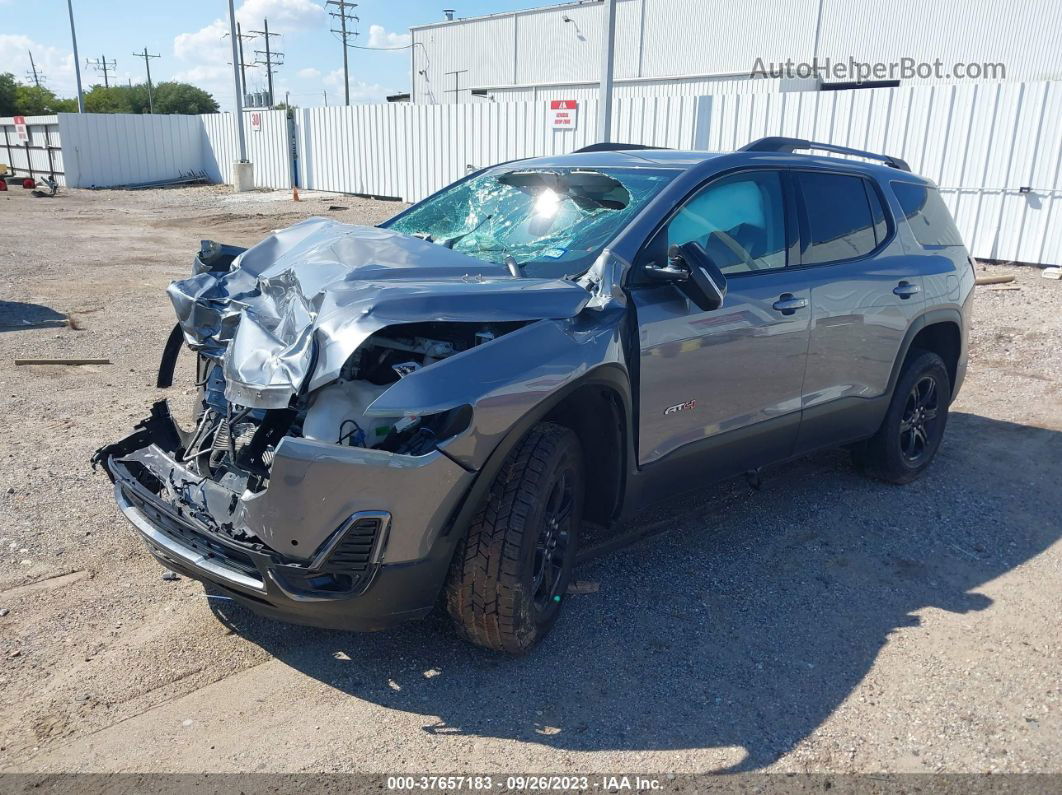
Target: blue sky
<point>187,34</point>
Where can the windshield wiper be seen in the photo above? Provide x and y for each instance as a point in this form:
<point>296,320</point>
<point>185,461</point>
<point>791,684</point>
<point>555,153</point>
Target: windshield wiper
<point>450,241</point>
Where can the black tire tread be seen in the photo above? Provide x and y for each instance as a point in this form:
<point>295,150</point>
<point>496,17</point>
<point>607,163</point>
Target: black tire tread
<point>873,457</point>
<point>484,595</point>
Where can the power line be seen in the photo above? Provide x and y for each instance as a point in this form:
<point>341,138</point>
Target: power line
<point>101,64</point>
<point>240,36</point>
<point>343,18</point>
<point>272,59</point>
<point>37,76</point>
<point>147,64</point>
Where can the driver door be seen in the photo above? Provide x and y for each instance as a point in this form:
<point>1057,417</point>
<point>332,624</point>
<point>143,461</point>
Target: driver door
<point>726,383</point>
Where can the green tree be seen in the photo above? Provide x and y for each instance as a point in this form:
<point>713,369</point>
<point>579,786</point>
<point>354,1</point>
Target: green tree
<point>173,97</point>
<point>7,94</point>
<point>113,99</point>
<point>35,100</point>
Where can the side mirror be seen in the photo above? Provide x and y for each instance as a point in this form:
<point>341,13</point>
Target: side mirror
<point>704,283</point>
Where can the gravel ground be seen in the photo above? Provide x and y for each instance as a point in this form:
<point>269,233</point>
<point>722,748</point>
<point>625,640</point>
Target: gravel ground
<point>824,623</point>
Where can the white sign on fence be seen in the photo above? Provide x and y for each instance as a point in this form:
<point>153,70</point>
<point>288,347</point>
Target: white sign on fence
<point>256,121</point>
<point>20,129</point>
<point>563,113</point>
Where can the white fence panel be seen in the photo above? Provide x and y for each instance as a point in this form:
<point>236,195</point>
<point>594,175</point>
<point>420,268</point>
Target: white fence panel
<point>104,150</point>
<point>995,149</point>
<point>267,147</point>
<point>41,155</point>
<point>410,151</point>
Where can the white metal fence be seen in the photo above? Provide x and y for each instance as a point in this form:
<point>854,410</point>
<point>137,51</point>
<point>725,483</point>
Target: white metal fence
<point>268,147</point>
<point>106,150</point>
<point>410,151</point>
<point>994,148</point>
<point>41,154</point>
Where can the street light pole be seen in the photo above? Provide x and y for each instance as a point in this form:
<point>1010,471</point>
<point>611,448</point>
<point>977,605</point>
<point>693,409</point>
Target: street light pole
<point>608,50</point>
<point>77,64</point>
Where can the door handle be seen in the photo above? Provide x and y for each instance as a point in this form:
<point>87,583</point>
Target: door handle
<point>906,289</point>
<point>788,303</point>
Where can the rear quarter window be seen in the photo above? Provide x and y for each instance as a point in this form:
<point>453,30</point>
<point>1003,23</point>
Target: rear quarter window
<point>843,219</point>
<point>927,215</point>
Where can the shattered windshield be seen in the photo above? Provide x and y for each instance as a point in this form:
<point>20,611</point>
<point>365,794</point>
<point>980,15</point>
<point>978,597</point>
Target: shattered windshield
<point>550,222</point>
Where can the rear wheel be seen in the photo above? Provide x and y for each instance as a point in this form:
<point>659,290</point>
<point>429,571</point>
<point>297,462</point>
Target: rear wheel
<point>510,574</point>
<point>914,425</point>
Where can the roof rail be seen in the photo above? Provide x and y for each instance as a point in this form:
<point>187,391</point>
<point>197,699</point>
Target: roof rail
<point>782,144</point>
<point>613,147</point>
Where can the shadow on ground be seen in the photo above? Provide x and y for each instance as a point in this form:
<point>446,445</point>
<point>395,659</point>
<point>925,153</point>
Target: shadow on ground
<point>17,316</point>
<point>745,626</point>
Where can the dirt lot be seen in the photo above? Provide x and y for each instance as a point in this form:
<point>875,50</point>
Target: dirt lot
<point>824,623</point>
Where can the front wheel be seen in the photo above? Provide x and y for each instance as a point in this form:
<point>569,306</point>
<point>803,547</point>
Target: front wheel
<point>914,425</point>
<point>510,574</point>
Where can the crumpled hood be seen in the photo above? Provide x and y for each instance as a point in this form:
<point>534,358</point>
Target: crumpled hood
<point>328,285</point>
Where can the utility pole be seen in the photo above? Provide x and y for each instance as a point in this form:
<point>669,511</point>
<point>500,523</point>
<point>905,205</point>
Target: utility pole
<point>147,63</point>
<point>77,63</point>
<point>242,170</point>
<point>271,58</point>
<point>101,64</point>
<point>343,18</point>
<point>37,76</point>
<point>240,36</point>
<point>325,92</point>
<point>608,49</point>
<point>456,90</point>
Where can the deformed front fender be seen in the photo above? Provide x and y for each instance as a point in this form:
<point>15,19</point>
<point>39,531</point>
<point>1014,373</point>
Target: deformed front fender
<point>505,379</point>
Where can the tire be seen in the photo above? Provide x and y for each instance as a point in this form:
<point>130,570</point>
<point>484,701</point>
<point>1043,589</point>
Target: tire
<point>911,433</point>
<point>510,573</point>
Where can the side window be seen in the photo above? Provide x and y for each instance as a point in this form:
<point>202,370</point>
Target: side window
<point>839,223</point>
<point>739,220</point>
<point>925,211</point>
<point>881,225</point>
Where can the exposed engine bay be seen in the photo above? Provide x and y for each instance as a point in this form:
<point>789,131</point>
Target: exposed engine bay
<point>234,445</point>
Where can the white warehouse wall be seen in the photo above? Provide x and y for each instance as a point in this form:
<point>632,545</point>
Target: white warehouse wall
<point>671,39</point>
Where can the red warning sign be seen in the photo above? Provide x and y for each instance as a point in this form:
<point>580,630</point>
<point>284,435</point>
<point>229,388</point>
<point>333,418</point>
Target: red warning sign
<point>563,113</point>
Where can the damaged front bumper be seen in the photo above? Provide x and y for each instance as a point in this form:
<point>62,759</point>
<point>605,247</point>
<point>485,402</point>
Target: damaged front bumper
<point>342,537</point>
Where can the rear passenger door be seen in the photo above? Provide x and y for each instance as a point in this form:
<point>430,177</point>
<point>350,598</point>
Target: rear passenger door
<point>864,296</point>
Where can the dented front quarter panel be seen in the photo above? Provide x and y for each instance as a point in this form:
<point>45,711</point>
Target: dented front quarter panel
<point>289,316</point>
<point>505,379</point>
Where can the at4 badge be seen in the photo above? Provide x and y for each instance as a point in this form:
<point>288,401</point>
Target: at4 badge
<point>689,404</point>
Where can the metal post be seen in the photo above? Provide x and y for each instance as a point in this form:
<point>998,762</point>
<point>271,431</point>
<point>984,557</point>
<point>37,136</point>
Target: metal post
<point>269,61</point>
<point>243,68</point>
<point>608,49</point>
<point>346,74</point>
<point>151,99</point>
<point>236,80</point>
<point>77,64</point>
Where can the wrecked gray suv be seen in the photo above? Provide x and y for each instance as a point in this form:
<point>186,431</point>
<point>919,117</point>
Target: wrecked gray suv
<point>438,407</point>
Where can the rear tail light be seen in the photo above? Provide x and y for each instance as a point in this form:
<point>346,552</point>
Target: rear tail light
<point>29,183</point>
<point>3,184</point>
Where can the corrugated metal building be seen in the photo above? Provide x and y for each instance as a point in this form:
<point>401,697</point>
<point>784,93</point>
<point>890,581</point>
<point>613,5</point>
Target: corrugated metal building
<point>696,47</point>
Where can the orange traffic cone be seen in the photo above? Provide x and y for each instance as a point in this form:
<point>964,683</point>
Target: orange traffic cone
<point>295,194</point>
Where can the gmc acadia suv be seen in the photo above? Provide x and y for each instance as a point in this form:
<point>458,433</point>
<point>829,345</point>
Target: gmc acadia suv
<point>435,406</point>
